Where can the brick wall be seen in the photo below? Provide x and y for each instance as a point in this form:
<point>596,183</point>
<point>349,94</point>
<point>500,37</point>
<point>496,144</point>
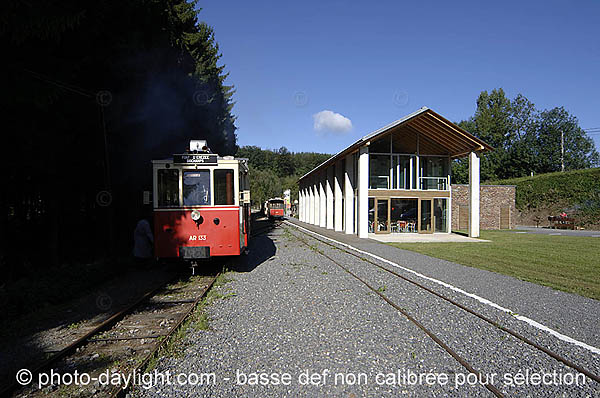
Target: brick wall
<point>496,206</point>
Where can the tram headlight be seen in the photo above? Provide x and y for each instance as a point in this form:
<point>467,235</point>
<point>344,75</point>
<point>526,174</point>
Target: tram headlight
<point>196,215</point>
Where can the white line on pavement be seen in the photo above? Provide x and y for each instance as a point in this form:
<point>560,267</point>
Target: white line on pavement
<point>525,319</point>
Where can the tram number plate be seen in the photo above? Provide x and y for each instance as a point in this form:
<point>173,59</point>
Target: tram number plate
<point>195,158</point>
<point>197,237</point>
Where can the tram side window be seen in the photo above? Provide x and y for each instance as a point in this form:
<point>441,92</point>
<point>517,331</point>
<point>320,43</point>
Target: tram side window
<point>196,188</point>
<point>168,187</point>
<point>223,187</point>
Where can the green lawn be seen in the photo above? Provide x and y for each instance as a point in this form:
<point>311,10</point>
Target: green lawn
<point>566,263</point>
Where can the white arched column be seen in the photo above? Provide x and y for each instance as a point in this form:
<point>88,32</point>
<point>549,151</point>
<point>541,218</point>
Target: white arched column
<point>329,196</point>
<point>311,204</point>
<point>323,200</point>
<point>349,195</point>
<point>337,196</point>
<point>317,209</point>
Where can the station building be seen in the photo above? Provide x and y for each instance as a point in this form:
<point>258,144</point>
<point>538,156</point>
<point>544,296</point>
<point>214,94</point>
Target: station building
<point>395,180</point>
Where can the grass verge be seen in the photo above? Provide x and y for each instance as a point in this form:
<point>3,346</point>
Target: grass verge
<point>568,263</point>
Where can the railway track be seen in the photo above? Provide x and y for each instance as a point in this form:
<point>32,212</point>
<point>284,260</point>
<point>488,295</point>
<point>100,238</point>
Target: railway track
<point>129,338</point>
<point>188,306</point>
<point>268,226</point>
<point>122,344</point>
<point>493,389</point>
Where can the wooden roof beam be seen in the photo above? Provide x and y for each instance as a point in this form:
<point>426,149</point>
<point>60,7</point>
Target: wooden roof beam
<point>451,136</point>
<point>482,145</point>
<point>449,144</point>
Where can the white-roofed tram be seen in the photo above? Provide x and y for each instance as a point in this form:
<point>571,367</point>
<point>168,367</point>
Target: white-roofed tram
<point>201,205</point>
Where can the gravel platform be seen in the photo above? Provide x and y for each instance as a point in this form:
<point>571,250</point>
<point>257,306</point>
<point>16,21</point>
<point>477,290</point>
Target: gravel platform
<point>295,313</point>
<point>570,314</point>
<point>484,346</point>
<point>289,310</point>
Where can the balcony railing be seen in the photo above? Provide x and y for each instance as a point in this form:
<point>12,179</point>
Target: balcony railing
<point>425,183</point>
<point>434,183</point>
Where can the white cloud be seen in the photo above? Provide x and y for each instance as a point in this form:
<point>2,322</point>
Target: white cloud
<point>328,121</point>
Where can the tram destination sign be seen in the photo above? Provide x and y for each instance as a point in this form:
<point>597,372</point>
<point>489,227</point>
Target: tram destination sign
<point>195,158</point>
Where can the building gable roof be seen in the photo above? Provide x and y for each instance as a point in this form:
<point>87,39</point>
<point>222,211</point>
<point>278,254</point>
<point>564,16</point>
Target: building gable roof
<point>456,141</point>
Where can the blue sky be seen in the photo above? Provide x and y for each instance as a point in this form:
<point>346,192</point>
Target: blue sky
<point>370,63</point>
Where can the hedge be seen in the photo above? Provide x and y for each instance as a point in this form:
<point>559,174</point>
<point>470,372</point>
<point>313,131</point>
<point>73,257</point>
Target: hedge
<point>575,191</point>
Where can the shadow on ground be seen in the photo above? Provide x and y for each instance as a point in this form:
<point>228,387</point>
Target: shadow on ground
<point>260,249</point>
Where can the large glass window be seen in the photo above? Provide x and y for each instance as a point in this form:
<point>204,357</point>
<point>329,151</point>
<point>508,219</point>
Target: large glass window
<point>395,170</point>
<point>382,215</point>
<point>371,215</point>
<point>168,187</point>
<point>440,212</point>
<point>223,187</point>
<point>434,173</point>
<point>379,171</point>
<point>404,141</point>
<point>196,188</point>
<point>405,172</point>
<point>415,165</point>
<point>403,215</point>
<point>401,172</point>
<point>434,166</point>
<point>382,145</point>
<point>425,215</point>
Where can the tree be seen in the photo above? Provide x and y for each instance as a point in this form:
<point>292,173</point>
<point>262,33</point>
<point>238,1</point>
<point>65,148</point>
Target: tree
<point>524,139</point>
<point>264,184</point>
<point>579,149</point>
<point>256,156</point>
<point>284,165</point>
<point>492,123</point>
<point>93,91</point>
<point>273,171</point>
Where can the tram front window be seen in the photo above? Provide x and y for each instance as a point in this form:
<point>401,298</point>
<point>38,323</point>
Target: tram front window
<point>196,188</point>
<point>276,204</point>
<point>168,187</point>
<point>224,187</point>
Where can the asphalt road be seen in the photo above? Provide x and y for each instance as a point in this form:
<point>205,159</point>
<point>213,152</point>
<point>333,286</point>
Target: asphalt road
<point>561,232</point>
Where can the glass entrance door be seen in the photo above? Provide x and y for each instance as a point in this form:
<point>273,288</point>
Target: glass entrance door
<point>382,216</point>
<point>440,214</point>
<point>425,216</point>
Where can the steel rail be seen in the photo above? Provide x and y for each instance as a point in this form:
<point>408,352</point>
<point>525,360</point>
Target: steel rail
<point>119,391</point>
<point>266,228</point>
<point>517,335</point>
<point>122,392</point>
<point>113,319</point>
<point>492,388</point>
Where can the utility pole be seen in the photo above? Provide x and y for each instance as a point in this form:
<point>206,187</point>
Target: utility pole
<point>562,151</point>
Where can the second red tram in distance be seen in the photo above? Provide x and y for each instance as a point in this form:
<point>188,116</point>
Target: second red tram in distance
<point>201,206</point>
<point>275,208</point>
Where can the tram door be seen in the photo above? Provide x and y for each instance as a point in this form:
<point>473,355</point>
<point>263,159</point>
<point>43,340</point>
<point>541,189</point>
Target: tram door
<point>382,216</point>
<point>426,216</point>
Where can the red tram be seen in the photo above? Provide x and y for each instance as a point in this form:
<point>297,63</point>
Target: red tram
<point>201,206</point>
<point>275,208</point>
